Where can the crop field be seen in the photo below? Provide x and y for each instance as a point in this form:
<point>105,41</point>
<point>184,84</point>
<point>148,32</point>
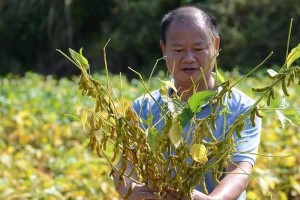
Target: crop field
<point>44,150</point>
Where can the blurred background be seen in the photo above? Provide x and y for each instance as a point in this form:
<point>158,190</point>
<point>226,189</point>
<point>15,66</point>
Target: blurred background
<point>31,30</point>
<point>44,150</point>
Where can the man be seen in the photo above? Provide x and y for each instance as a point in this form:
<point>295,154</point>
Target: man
<point>190,42</point>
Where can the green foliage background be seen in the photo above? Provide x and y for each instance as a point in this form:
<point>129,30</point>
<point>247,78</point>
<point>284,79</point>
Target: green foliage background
<point>44,152</point>
<point>31,30</point>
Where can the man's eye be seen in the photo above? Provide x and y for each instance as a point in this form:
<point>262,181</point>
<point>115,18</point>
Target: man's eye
<point>199,49</point>
<point>178,50</point>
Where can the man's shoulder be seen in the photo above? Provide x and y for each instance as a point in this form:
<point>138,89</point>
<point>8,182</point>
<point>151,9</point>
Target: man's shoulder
<point>148,99</point>
<point>238,95</point>
<point>239,101</point>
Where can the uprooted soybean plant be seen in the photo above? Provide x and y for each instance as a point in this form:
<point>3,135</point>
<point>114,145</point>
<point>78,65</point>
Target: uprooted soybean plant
<point>158,158</point>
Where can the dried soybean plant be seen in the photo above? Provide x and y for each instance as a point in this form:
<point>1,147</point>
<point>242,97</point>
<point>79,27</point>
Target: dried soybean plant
<point>164,159</point>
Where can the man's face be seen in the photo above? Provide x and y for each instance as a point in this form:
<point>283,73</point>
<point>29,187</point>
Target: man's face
<point>188,48</point>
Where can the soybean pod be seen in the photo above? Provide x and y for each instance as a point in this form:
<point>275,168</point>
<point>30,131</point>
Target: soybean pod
<point>284,87</point>
<point>209,132</point>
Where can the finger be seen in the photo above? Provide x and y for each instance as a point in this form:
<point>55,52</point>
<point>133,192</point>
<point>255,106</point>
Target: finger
<point>145,188</point>
<point>150,195</point>
<point>144,195</point>
<point>143,192</point>
<point>171,194</point>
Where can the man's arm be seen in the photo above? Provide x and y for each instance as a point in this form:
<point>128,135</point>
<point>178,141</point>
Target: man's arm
<point>232,185</point>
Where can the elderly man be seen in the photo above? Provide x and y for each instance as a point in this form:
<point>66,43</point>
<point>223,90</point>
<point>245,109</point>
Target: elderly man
<point>189,43</point>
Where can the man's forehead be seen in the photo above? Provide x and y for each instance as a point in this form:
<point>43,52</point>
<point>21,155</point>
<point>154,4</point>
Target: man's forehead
<point>195,23</point>
<point>190,18</point>
<point>200,30</point>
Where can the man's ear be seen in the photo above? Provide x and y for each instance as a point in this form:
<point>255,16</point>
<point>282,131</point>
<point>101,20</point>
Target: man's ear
<point>162,47</point>
<point>217,43</point>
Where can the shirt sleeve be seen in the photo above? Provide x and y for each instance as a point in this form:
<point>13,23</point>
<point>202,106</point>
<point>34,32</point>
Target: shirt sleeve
<point>247,144</point>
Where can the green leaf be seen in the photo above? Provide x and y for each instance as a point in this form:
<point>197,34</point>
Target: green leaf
<point>153,138</point>
<point>74,55</point>
<point>186,116</point>
<point>83,60</point>
<point>199,153</point>
<point>293,55</point>
<point>198,99</point>
<point>175,133</point>
<point>79,58</point>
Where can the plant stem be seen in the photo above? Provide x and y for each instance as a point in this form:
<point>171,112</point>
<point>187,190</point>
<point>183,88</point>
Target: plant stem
<point>288,42</point>
<point>105,63</point>
<point>154,67</point>
<point>255,68</point>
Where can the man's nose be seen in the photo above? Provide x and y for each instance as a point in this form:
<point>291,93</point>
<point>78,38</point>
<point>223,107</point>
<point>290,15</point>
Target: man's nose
<point>189,56</point>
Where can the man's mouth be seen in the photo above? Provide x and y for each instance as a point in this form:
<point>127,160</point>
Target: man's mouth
<point>189,69</point>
